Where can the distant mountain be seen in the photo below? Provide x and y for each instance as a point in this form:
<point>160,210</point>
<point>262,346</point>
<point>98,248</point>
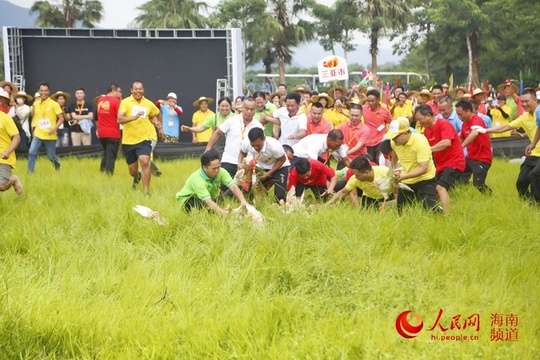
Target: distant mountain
<point>13,15</point>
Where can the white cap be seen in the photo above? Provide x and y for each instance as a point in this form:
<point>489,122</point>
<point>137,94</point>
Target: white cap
<point>538,95</point>
<point>172,95</point>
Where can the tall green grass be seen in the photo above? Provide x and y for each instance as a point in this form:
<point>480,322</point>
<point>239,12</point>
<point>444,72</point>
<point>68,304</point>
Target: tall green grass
<point>84,276</point>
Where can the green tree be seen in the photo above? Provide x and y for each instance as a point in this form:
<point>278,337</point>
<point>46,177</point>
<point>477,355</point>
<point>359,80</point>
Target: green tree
<point>271,29</point>
<point>245,14</point>
<point>172,14</point>
<point>467,19</point>
<point>382,17</point>
<point>287,29</point>
<point>67,13</point>
<point>336,25</point>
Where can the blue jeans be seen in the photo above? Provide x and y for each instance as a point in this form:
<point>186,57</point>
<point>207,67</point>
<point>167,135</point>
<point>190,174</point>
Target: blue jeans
<point>63,137</point>
<point>50,148</point>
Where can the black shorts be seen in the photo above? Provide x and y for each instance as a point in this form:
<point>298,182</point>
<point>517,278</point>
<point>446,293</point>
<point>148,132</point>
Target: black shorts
<point>132,152</point>
<point>448,177</point>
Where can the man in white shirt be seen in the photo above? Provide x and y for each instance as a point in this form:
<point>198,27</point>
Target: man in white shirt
<point>323,146</point>
<point>268,157</point>
<point>290,120</point>
<point>236,128</point>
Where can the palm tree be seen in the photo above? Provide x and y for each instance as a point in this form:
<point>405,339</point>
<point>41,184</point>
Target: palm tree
<point>172,14</point>
<point>286,29</point>
<point>381,16</point>
<point>67,13</point>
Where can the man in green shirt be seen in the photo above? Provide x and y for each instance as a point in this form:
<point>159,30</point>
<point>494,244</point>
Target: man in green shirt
<point>202,186</point>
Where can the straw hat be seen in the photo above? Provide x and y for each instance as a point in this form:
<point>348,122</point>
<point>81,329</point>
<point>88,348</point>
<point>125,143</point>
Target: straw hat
<point>342,88</point>
<point>96,99</point>
<point>58,93</point>
<point>454,90</point>
<point>203,98</point>
<point>361,89</point>
<point>274,94</point>
<point>445,85</point>
<point>24,95</point>
<point>5,94</point>
<point>410,93</point>
<point>508,83</point>
<point>466,96</point>
<point>424,92</point>
<point>356,101</point>
<point>324,96</point>
<point>14,88</point>
<point>479,91</point>
<point>301,88</point>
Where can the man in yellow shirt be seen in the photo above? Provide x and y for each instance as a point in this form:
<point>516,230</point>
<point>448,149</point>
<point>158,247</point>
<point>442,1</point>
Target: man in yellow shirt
<point>364,178</point>
<point>501,114</point>
<point>401,108</point>
<point>528,182</point>
<point>9,140</point>
<point>418,170</point>
<point>47,116</point>
<point>139,117</point>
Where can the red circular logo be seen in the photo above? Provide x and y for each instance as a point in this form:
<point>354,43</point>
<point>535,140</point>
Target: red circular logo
<point>405,329</point>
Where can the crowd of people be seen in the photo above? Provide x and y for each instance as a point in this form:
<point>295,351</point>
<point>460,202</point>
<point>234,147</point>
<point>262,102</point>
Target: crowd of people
<point>340,143</point>
<point>429,140</point>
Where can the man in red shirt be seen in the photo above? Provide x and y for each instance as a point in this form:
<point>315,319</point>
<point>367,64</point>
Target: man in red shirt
<point>437,92</point>
<point>316,124</point>
<point>375,117</point>
<point>478,146</point>
<point>314,175</point>
<point>108,129</point>
<point>355,133</point>
<point>447,151</point>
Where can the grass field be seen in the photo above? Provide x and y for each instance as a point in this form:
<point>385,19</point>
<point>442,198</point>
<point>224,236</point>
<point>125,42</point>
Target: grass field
<point>84,276</point>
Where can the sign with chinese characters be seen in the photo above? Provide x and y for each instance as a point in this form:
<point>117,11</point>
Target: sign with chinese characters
<point>332,68</point>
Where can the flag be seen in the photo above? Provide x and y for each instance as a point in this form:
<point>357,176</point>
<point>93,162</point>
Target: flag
<point>451,81</point>
<point>387,94</point>
<point>470,88</point>
<point>398,83</point>
<point>487,85</point>
<point>520,82</point>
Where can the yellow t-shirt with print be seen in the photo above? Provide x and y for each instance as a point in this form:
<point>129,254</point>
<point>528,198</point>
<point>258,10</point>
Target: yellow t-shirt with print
<point>498,120</point>
<point>415,151</point>
<point>45,117</point>
<point>7,130</point>
<point>528,123</point>
<point>198,119</point>
<point>141,129</point>
<point>368,187</point>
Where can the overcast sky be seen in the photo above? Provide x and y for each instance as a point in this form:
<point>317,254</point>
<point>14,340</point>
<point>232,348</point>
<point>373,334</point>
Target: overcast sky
<point>119,13</point>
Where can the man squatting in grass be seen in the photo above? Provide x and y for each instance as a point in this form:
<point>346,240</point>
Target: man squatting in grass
<point>414,153</point>
<point>9,140</point>
<point>447,151</point>
<point>314,175</point>
<point>202,186</point>
<point>139,116</point>
<point>364,177</point>
<point>268,156</point>
<point>529,174</point>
